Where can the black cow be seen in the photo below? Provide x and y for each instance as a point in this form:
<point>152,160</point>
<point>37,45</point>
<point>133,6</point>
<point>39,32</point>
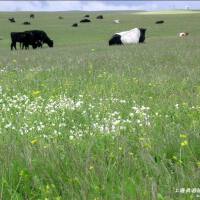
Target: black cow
<point>35,38</point>
<point>60,17</point>
<point>87,15</point>
<point>159,22</point>
<point>32,16</point>
<point>100,17</point>
<point>85,21</point>
<point>74,25</point>
<point>26,23</point>
<point>12,20</point>
<point>17,37</point>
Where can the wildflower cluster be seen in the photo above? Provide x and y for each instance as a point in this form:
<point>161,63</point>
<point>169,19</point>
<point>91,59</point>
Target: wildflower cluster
<point>75,117</point>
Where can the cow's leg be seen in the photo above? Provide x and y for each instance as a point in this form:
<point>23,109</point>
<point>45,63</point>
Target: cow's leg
<point>26,46</point>
<point>13,44</point>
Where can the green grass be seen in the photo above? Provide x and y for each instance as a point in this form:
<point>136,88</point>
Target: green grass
<point>87,121</point>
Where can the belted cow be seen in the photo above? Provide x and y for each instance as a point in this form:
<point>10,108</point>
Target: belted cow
<point>133,36</point>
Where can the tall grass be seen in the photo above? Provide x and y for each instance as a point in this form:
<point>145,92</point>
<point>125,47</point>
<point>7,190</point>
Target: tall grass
<point>88,121</point>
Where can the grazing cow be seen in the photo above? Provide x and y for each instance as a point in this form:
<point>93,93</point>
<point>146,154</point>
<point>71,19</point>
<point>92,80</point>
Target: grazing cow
<point>116,21</point>
<point>32,16</point>
<point>26,23</point>
<point>85,21</point>
<point>99,17</point>
<point>133,36</point>
<point>23,38</point>
<point>87,15</point>
<point>159,22</point>
<point>75,25</point>
<point>17,37</point>
<point>35,38</point>
<point>12,20</point>
<point>60,17</point>
<point>183,34</point>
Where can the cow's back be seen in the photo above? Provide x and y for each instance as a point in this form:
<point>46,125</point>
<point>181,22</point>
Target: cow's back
<point>131,37</point>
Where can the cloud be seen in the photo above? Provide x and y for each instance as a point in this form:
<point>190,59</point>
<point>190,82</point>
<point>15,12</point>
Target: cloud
<point>95,5</point>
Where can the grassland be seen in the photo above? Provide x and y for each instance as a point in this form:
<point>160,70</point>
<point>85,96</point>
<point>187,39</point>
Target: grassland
<point>87,121</point>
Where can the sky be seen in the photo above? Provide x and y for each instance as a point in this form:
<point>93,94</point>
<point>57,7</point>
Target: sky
<point>96,5</point>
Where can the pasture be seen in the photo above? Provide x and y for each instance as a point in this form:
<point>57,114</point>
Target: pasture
<point>87,121</point>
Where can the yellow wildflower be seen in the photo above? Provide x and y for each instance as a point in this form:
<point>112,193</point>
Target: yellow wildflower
<point>34,141</point>
<point>35,93</point>
<point>21,173</point>
<point>180,161</point>
<point>184,143</point>
<point>174,157</point>
<point>91,167</point>
<point>183,136</point>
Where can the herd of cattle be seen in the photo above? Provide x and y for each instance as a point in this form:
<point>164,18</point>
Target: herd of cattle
<point>86,20</point>
<point>12,19</point>
<point>36,38</point>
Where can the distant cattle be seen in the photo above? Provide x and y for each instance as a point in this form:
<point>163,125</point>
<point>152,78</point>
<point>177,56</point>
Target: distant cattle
<point>99,17</point>
<point>159,22</point>
<point>26,23</point>
<point>87,15</point>
<point>75,25</point>
<point>133,36</point>
<point>32,16</point>
<point>12,20</point>
<point>35,38</point>
<point>85,21</point>
<point>60,17</point>
<point>116,21</point>
<point>183,34</point>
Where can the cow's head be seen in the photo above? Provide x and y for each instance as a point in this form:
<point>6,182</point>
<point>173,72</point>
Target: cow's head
<point>142,35</point>
<point>143,30</point>
<point>50,43</point>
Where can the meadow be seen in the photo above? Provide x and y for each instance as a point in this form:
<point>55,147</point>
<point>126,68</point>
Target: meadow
<point>87,121</point>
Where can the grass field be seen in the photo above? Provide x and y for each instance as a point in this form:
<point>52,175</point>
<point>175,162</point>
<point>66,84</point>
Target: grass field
<point>87,121</point>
